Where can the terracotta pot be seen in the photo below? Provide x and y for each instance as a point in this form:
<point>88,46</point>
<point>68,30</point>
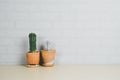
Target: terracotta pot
<point>48,57</point>
<point>33,58</point>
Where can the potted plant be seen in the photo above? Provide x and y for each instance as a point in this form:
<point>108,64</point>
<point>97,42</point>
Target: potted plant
<point>48,55</point>
<point>33,56</point>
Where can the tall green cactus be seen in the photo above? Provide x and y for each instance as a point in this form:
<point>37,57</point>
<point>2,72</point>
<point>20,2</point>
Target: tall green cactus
<point>32,42</point>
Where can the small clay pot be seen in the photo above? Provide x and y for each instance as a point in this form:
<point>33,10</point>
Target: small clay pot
<point>48,57</point>
<point>33,58</point>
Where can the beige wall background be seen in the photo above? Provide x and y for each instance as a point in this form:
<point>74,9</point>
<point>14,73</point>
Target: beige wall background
<point>83,31</point>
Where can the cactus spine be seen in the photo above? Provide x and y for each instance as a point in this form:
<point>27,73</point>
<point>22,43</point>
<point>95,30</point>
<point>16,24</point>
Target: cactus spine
<point>32,42</point>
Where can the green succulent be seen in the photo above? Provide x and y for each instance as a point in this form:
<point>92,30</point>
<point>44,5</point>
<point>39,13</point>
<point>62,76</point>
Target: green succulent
<point>32,42</point>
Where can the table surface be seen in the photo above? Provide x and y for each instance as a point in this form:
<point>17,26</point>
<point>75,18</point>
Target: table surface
<point>61,72</point>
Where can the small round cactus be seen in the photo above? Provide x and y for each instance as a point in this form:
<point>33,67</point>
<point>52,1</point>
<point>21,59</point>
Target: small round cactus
<point>32,42</point>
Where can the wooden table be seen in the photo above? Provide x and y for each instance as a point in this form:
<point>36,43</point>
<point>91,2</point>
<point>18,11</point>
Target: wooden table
<point>61,72</point>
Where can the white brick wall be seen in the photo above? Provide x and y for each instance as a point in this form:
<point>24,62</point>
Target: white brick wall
<point>84,31</point>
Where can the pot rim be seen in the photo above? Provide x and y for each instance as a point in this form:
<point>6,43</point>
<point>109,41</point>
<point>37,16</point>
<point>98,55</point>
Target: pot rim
<point>36,52</point>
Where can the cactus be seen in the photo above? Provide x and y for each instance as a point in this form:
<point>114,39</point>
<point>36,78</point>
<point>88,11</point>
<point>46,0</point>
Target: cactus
<point>32,42</point>
<point>48,46</point>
